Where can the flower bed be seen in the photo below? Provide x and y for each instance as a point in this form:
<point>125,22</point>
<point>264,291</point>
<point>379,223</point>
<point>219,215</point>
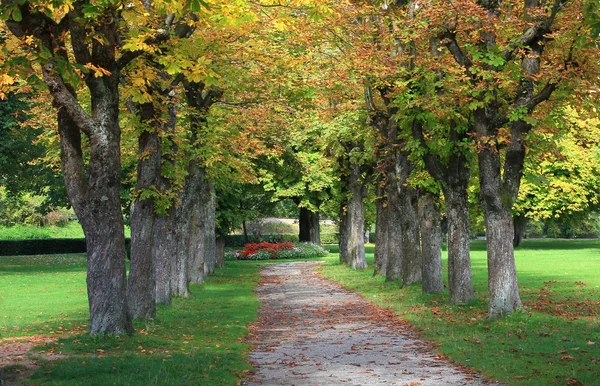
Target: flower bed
<point>283,250</point>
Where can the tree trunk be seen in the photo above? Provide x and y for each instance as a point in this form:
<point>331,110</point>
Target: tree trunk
<point>343,242</point>
<point>460,285</point>
<point>354,223</point>
<point>315,229</point>
<point>503,287</point>
<point>381,233</point>
<point>97,205</point>
<point>454,178</point>
<point>165,247</point>
<point>220,252</point>
<point>411,248</point>
<point>141,288</point>
<point>394,265</point>
<point>431,242</point>
<point>102,221</point>
<point>304,225</point>
<point>520,224</point>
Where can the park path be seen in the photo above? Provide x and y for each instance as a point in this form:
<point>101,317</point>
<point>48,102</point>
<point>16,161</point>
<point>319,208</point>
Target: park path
<point>313,332</point>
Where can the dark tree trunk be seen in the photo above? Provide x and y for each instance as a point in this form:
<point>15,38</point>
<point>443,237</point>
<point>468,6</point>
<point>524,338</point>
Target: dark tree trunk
<point>354,223</point>
<point>411,248</point>
<point>141,289</point>
<point>431,243</point>
<point>304,225</point>
<point>220,252</point>
<point>315,229</point>
<point>381,233</point>
<point>245,231</point>
<point>520,224</point>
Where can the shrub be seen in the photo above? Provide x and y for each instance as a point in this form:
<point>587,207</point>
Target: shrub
<point>57,217</point>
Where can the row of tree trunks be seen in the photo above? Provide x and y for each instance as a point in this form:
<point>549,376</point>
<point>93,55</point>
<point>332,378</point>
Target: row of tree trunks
<point>352,220</point>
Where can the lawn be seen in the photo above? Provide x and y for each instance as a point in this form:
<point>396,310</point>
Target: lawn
<point>72,230</point>
<point>200,340</point>
<point>556,340</point>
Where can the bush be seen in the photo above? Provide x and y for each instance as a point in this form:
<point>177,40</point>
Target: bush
<point>238,241</point>
<point>57,217</point>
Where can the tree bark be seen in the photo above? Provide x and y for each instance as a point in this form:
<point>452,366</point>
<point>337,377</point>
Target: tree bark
<point>520,224</point>
<point>454,178</point>
<point>460,285</point>
<point>315,229</point>
<point>381,232</point>
<point>220,252</point>
<point>165,247</point>
<point>431,242</point>
<point>411,249</point>
<point>497,199</point>
<point>394,265</point>
<point>353,252</point>
<point>141,288</point>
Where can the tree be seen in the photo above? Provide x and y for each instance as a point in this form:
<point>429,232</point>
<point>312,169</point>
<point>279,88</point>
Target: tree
<point>504,67</point>
<point>93,188</point>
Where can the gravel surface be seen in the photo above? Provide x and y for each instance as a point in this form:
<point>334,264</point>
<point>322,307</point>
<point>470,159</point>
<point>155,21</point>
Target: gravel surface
<point>313,332</point>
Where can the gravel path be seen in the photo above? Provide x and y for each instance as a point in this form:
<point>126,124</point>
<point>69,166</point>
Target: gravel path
<point>313,332</point>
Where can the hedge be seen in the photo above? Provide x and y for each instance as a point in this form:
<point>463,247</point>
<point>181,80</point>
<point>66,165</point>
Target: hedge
<point>45,246</point>
<point>238,241</point>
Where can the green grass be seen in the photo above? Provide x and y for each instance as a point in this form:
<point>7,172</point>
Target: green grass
<point>72,230</point>
<point>544,345</point>
<point>199,340</point>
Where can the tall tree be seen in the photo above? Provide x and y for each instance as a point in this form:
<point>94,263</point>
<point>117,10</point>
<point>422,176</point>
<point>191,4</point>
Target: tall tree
<point>93,188</point>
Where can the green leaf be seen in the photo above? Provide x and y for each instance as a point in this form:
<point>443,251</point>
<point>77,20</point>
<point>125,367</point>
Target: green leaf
<point>16,14</point>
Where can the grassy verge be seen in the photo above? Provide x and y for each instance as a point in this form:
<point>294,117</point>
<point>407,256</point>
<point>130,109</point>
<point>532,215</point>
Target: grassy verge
<point>72,230</point>
<point>556,340</point>
<point>199,340</point>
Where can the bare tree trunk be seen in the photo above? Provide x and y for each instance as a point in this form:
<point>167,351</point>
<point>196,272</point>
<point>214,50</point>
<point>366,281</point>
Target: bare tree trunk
<point>315,228</point>
<point>165,247</point>
<point>344,230</point>
<point>210,225</point>
<point>497,201</point>
<point>141,289</point>
<point>381,233</point>
<point>431,243</point>
<point>354,223</point>
<point>411,248</point>
<point>454,178</point>
<point>393,270</point>
<point>460,284</point>
<point>220,252</point>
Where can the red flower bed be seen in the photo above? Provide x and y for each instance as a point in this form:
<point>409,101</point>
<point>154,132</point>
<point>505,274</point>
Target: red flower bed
<point>272,248</point>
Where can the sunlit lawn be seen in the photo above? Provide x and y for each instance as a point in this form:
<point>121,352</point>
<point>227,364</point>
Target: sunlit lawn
<point>555,341</point>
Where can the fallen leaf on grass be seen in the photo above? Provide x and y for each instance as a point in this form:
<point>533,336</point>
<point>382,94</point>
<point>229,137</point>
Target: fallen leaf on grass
<point>567,358</point>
